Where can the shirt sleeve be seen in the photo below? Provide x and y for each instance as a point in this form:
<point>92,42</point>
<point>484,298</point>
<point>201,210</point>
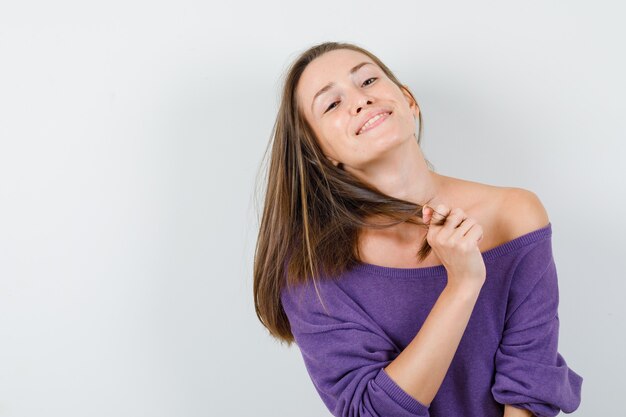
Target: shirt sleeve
<point>345,353</point>
<point>530,372</point>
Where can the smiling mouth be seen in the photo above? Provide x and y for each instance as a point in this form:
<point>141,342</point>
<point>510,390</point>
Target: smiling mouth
<point>373,122</point>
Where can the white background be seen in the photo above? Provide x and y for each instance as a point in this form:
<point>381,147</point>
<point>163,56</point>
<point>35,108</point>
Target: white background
<point>131,135</point>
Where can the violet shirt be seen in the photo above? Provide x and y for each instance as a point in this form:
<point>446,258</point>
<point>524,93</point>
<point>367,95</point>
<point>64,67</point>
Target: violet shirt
<point>507,355</point>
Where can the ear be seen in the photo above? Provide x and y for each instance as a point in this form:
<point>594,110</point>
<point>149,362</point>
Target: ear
<point>412,103</point>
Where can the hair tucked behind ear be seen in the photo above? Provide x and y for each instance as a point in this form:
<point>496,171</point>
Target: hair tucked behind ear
<point>313,210</point>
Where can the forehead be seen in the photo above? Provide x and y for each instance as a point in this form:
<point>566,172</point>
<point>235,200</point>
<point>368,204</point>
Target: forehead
<point>329,67</point>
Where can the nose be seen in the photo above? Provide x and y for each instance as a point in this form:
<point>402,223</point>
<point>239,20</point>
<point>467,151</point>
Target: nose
<point>360,102</point>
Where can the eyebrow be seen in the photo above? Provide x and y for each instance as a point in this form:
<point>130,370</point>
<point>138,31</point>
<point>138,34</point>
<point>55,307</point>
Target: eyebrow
<point>332,84</point>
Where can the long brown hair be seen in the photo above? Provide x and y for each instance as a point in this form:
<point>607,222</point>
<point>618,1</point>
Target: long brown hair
<point>313,210</point>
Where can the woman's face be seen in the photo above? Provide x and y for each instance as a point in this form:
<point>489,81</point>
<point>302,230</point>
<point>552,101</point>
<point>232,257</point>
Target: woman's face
<point>341,94</point>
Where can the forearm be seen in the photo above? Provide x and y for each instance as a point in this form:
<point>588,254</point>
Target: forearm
<point>421,367</point>
<point>510,411</point>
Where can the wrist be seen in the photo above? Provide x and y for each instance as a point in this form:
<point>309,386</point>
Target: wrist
<point>469,288</point>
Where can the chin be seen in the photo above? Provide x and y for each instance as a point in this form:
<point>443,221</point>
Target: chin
<point>387,143</point>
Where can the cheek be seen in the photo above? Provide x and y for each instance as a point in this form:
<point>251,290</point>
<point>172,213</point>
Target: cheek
<point>337,124</point>
<point>404,113</point>
<point>322,137</point>
<point>332,136</point>
<point>332,129</point>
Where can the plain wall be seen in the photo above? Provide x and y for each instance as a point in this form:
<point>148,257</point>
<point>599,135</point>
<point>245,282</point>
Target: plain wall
<point>131,136</point>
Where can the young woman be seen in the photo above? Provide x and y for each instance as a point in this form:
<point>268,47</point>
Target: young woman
<point>408,292</point>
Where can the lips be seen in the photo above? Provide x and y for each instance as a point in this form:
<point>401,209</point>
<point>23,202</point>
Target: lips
<point>370,116</point>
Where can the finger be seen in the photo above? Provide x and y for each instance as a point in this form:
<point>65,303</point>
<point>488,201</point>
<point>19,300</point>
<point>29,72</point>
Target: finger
<point>461,231</point>
<point>440,214</point>
<point>454,219</point>
<point>426,214</point>
<point>475,233</point>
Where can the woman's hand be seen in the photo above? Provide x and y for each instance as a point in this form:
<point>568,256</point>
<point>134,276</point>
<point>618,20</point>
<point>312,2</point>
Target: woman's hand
<point>510,411</point>
<point>454,238</point>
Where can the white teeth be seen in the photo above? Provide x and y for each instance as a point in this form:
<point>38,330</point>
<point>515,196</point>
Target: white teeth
<point>372,120</point>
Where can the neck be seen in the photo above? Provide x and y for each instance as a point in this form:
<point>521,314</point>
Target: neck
<point>403,174</point>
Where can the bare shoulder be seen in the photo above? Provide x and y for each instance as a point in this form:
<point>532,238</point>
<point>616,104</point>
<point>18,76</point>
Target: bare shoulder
<point>522,212</point>
<point>504,213</point>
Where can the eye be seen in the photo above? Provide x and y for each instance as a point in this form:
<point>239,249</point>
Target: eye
<point>331,106</point>
<point>373,78</point>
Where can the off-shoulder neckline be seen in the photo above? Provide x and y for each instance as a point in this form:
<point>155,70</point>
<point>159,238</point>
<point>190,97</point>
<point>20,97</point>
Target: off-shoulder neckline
<point>489,254</point>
